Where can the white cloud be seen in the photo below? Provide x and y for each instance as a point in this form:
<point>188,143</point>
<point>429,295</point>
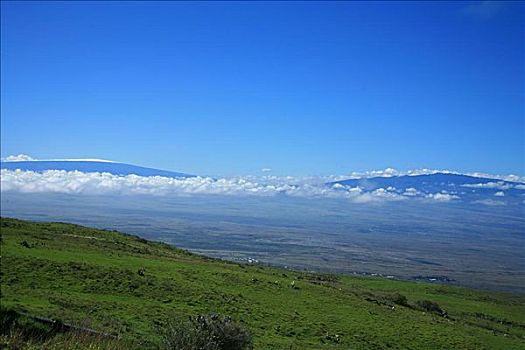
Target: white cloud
<point>79,160</point>
<point>338,186</point>
<point>411,192</point>
<point>17,158</point>
<point>76,182</point>
<point>441,197</point>
<point>494,185</point>
<point>96,183</point>
<point>378,195</point>
<point>388,172</point>
<point>511,177</point>
<point>264,185</point>
<point>491,202</point>
<point>266,170</point>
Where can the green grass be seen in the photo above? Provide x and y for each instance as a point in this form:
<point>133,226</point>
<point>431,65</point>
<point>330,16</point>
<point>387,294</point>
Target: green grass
<point>24,332</point>
<point>87,276</point>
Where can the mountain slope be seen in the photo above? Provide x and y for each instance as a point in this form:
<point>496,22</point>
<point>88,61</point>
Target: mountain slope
<point>126,285</point>
<point>90,166</point>
<point>429,180</point>
<point>464,186</point>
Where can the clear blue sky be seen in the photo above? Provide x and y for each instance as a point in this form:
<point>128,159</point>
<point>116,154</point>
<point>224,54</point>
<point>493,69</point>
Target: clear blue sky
<point>302,88</point>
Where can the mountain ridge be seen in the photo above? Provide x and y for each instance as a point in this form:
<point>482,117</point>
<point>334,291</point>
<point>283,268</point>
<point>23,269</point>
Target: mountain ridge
<point>100,166</point>
<point>438,176</point>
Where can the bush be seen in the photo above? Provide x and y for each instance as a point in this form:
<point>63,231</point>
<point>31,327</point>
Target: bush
<point>210,332</point>
<point>399,299</point>
<point>431,306</point>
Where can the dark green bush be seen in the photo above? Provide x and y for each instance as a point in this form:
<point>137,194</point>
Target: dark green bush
<point>431,306</point>
<point>209,332</point>
<point>398,299</point>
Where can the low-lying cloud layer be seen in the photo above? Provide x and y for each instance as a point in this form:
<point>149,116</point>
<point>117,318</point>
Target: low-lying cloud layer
<point>388,172</point>
<point>76,182</point>
<point>500,185</point>
<point>17,158</point>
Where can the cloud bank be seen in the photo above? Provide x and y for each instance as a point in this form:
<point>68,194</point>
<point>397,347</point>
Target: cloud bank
<point>76,182</point>
<point>442,197</point>
<point>490,202</point>
<point>17,158</point>
<point>492,185</point>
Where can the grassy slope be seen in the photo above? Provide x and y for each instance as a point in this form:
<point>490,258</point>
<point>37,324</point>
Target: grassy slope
<point>82,275</point>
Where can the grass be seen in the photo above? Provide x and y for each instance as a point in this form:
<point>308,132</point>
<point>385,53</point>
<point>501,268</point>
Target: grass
<point>25,332</point>
<point>133,288</point>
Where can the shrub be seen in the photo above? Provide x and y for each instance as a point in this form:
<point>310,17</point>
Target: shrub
<point>398,299</point>
<point>431,306</point>
<point>209,332</point>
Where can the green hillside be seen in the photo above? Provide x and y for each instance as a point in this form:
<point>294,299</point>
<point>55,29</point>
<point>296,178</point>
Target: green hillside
<point>121,284</point>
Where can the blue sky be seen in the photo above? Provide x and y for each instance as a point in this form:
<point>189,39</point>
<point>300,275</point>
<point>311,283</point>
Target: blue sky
<point>309,88</point>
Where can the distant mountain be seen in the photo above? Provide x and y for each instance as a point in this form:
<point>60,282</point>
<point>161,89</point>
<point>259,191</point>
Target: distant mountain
<point>430,182</point>
<point>464,186</point>
<point>90,166</point>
